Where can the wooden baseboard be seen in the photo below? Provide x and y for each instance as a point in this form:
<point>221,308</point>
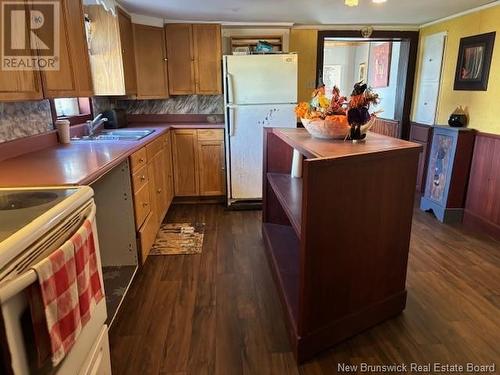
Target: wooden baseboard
<point>199,200</point>
<point>480,224</point>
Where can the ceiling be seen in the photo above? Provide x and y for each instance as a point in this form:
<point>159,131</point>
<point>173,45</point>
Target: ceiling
<point>409,12</point>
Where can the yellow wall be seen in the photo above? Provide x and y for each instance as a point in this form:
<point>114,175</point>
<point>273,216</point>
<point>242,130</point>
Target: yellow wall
<point>305,42</point>
<point>483,106</point>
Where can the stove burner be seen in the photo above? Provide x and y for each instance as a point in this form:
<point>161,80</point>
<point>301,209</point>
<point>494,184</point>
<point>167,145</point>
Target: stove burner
<point>15,201</point>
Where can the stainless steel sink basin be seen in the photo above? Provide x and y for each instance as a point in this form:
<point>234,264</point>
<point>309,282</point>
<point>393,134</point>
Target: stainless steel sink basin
<point>117,135</point>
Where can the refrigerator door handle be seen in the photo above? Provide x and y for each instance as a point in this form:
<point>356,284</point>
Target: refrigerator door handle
<point>231,119</point>
<point>229,88</point>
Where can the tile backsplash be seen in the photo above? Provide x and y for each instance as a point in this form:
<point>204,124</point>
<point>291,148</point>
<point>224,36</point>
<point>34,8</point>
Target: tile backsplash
<point>22,119</point>
<point>188,104</point>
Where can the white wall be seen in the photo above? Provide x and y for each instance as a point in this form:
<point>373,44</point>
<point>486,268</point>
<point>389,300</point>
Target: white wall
<point>343,56</point>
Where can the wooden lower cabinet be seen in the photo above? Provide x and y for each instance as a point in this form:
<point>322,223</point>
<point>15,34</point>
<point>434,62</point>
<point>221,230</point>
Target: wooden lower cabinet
<point>421,134</point>
<point>151,181</point>
<point>182,162</point>
<point>211,167</point>
<point>198,157</point>
<point>184,156</point>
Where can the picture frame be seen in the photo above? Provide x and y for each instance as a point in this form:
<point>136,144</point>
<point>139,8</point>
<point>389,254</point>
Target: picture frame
<point>474,62</point>
<point>380,65</point>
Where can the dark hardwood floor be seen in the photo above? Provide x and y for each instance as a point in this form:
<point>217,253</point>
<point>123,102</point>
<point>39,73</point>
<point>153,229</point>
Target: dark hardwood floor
<point>218,312</point>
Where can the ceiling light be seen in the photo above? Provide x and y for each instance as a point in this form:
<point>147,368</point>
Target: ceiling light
<point>379,1</point>
<point>352,3</point>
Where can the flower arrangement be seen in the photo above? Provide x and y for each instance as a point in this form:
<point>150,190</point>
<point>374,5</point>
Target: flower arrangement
<point>339,117</point>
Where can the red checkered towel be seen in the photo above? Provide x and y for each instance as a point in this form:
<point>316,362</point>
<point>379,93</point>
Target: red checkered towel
<point>70,288</point>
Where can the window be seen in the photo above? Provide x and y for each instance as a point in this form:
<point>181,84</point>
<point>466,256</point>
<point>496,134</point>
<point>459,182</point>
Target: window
<point>66,107</point>
<point>76,110</point>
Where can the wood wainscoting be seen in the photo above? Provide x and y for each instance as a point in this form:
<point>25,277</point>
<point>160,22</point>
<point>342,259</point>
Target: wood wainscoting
<point>482,208</point>
<point>387,127</point>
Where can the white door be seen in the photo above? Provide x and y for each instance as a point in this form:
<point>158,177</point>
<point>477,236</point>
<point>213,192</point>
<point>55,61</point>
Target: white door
<point>245,134</point>
<point>430,78</point>
<point>261,79</point>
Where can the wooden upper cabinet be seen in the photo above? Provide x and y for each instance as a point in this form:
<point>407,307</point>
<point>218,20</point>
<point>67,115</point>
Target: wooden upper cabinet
<point>208,59</point>
<point>194,58</point>
<point>73,77</point>
<point>180,55</point>
<point>111,52</point>
<point>150,59</point>
<point>19,85</point>
<point>128,55</point>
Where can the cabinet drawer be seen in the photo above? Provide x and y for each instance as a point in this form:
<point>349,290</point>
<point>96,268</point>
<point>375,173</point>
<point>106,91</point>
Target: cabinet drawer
<point>142,205</point>
<point>140,178</point>
<point>211,134</point>
<point>138,159</point>
<point>155,147</point>
<point>147,235</point>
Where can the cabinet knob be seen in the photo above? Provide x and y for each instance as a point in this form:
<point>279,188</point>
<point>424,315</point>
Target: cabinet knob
<point>141,160</point>
<point>145,204</point>
<point>165,59</point>
<point>143,178</point>
<point>158,191</point>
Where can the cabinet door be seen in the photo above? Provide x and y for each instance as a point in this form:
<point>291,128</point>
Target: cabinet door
<point>211,167</point>
<point>208,59</point>
<point>152,191</point>
<point>169,177</point>
<point>20,84</point>
<point>161,198</point>
<point>73,77</point>
<point>150,61</point>
<point>180,55</point>
<point>128,56</point>
<point>184,152</point>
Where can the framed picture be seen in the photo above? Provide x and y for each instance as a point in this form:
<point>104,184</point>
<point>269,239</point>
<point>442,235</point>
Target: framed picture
<point>474,61</point>
<point>380,65</point>
<point>362,72</point>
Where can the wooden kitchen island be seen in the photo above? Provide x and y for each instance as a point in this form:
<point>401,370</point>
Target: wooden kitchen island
<point>337,238</point>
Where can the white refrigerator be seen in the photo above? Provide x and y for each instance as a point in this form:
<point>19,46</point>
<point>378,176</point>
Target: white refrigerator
<point>259,91</point>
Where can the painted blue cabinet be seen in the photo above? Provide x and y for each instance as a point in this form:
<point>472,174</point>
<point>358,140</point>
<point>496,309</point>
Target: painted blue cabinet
<point>448,173</point>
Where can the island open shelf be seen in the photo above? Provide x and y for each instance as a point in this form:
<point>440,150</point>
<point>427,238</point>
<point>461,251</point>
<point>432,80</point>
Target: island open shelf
<point>337,238</point>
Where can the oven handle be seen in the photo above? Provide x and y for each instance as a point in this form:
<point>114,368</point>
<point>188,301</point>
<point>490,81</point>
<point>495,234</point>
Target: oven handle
<point>15,286</point>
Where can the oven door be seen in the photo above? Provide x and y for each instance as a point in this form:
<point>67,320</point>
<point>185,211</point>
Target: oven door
<point>16,313</point>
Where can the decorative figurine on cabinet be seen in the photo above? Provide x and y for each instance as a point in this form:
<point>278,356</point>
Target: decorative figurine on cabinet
<point>448,173</point>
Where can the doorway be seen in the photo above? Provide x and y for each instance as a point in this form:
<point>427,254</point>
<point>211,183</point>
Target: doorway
<point>385,61</point>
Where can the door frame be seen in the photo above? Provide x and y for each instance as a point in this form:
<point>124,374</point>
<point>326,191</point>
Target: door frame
<point>407,66</point>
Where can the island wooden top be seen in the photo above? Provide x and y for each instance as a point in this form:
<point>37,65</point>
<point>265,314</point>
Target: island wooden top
<point>80,162</point>
<point>314,148</point>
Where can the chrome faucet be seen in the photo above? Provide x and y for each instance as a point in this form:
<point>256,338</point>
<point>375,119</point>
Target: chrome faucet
<point>93,125</point>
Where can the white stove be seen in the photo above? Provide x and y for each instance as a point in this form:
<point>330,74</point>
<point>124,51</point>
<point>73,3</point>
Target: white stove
<point>34,222</point>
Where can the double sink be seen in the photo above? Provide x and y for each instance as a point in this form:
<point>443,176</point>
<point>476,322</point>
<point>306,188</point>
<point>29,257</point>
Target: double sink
<point>116,135</point>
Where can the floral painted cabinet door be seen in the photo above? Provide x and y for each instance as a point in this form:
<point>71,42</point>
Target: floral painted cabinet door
<point>447,174</point>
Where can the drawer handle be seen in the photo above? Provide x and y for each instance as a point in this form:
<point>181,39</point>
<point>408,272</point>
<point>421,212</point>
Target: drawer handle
<point>143,178</point>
